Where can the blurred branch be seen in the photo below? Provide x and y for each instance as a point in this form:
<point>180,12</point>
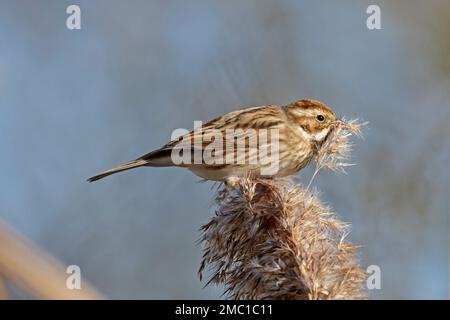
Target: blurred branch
<point>34,271</point>
<point>3,289</point>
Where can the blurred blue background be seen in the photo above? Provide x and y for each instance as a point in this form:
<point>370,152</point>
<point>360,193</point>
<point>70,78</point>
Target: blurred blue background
<point>73,103</point>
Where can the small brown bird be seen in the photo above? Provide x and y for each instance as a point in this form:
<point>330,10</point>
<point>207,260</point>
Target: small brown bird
<point>293,135</point>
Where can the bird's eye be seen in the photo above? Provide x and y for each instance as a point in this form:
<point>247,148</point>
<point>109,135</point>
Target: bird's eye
<point>320,117</point>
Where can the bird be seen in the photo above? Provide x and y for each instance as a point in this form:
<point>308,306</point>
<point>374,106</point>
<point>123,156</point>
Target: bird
<point>297,131</point>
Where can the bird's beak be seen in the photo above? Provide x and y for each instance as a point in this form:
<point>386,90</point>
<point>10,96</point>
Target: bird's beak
<point>338,122</point>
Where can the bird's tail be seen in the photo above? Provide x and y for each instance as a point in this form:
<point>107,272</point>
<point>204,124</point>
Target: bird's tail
<point>122,167</point>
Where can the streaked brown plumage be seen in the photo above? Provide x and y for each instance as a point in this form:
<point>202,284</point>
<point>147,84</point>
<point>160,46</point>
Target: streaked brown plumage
<point>302,125</point>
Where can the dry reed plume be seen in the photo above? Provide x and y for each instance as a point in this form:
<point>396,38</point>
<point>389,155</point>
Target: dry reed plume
<point>273,239</point>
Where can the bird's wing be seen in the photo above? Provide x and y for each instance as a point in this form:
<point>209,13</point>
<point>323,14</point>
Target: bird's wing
<point>240,131</point>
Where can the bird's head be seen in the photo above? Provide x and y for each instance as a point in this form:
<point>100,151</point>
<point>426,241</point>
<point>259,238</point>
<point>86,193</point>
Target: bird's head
<point>314,119</point>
